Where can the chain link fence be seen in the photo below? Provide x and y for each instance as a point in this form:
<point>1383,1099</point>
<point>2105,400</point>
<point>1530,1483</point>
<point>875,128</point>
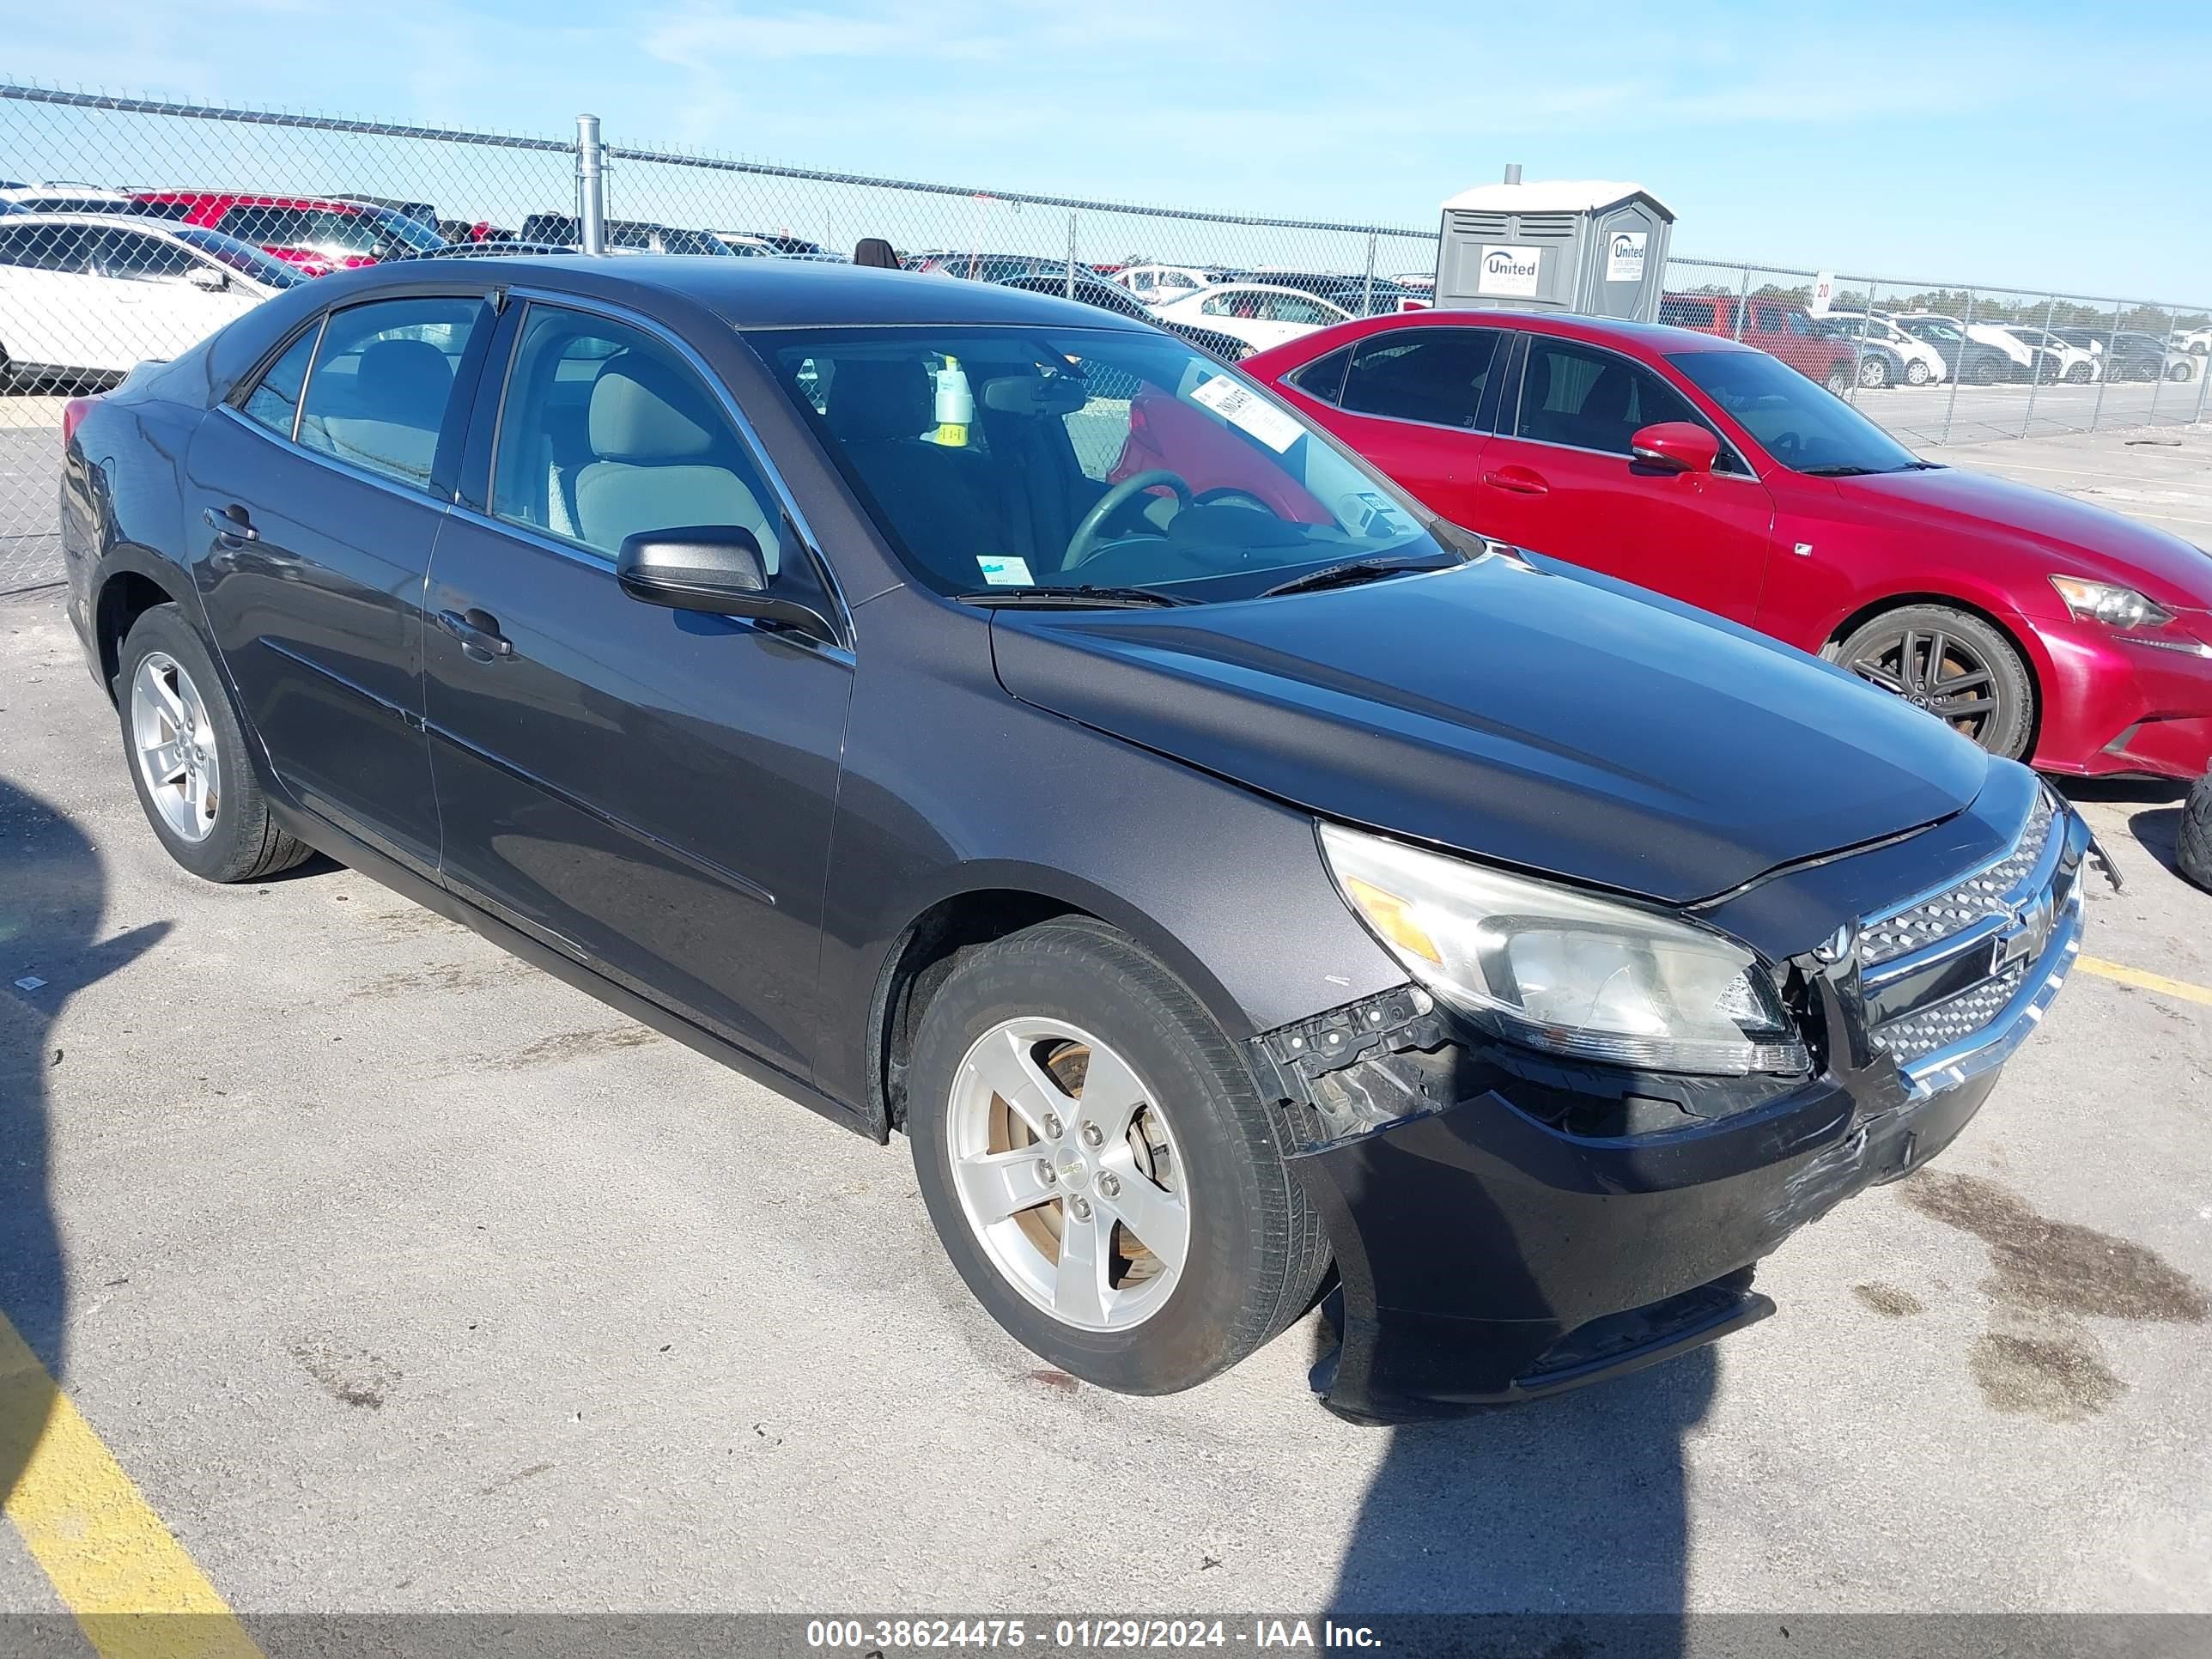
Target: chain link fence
<point>114,265</point>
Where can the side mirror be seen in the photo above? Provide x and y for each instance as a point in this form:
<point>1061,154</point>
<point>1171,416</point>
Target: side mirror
<point>1675,447</point>
<point>208,280</point>
<point>716,568</point>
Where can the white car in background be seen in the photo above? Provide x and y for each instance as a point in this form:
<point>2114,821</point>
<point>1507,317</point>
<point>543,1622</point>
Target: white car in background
<point>86,296</point>
<point>1924,364</point>
<point>1159,285</point>
<point>2059,359</point>
<point>1261,314</point>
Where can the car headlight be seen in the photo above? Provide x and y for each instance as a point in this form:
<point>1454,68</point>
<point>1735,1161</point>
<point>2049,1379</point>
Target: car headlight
<point>1566,971</point>
<point>2115,607</point>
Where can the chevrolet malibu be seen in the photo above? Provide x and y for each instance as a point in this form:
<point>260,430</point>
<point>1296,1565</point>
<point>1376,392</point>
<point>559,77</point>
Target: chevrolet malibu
<point>1239,899</point>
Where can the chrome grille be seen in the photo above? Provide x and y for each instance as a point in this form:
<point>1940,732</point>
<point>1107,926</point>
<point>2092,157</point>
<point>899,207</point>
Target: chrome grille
<point>1927,1030</point>
<point>1985,893</point>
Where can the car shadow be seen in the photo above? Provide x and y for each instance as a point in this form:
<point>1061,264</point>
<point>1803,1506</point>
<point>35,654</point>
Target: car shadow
<point>1561,1510</point>
<point>2157,831</point>
<point>50,907</point>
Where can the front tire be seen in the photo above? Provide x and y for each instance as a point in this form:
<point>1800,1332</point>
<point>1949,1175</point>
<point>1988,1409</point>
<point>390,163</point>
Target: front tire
<point>1100,1166</point>
<point>1840,382</point>
<point>186,752</point>
<point>1954,665</point>
<point>2193,842</point>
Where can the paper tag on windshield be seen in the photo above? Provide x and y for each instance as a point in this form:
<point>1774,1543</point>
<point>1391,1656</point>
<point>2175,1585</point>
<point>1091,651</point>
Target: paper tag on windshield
<point>1005,573</point>
<point>1249,412</point>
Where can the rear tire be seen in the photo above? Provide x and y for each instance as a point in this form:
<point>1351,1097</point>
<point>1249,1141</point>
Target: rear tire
<point>1873,374</point>
<point>1916,373</point>
<point>1840,382</point>
<point>1952,664</point>
<point>2193,842</point>
<point>998,1092</point>
<point>186,752</point>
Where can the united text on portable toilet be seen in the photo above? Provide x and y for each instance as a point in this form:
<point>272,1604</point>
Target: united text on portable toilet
<point>1591,246</point>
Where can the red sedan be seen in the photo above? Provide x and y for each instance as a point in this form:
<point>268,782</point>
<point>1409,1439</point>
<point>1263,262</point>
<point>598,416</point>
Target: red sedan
<point>2035,624</point>
<point>313,234</point>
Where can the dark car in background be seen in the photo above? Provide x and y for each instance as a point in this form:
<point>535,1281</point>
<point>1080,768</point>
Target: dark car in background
<point>1111,297</point>
<point>1237,882</point>
<point>623,236</point>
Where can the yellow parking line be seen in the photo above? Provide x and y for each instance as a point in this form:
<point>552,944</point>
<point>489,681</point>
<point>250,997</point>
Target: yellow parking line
<point>112,1561</point>
<point>2144,982</point>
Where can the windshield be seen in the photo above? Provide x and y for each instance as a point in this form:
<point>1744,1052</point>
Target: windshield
<point>1928,329</point>
<point>1013,458</point>
<point>1802,427</point>
<point>242,257</point>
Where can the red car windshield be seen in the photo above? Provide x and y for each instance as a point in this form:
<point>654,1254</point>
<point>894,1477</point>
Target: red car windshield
<point>1804,427</point>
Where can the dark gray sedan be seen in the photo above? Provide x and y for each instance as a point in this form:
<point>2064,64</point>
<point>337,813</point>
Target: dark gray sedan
<point>981,715</point>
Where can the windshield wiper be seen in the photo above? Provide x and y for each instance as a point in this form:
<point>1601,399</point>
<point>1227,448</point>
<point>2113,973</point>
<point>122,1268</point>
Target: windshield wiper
<point>1353,571</point>
<point>1843,470</point>
<point>1076,596</point>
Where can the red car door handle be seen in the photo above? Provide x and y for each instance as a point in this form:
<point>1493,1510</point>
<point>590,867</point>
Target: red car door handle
<point>1519,479</point>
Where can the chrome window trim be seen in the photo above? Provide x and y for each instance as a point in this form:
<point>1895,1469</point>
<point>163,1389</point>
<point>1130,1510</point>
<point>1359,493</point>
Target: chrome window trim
<point>748,435</point>
<point>1501,335</point>
<point>1748,475</point>
<point>422,494</point>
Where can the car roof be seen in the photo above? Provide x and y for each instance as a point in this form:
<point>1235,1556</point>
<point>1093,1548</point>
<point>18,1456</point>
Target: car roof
<point>1573,325</point>
<point>259,199</point>
<point>763,294</point>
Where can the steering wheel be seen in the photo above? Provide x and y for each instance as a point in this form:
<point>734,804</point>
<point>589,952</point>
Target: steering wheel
<point>1784,447</point>
<point>1083,544</point>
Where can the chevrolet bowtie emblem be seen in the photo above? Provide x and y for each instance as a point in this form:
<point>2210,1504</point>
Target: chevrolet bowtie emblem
<point>2024,936</point>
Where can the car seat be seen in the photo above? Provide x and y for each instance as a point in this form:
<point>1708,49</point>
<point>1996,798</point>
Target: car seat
<point>662,461</point>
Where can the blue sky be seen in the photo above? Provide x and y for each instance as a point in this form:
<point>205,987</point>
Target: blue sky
<point>2031,143</point>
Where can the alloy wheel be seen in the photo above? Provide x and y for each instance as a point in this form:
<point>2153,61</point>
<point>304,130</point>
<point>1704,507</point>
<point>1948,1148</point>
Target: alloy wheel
<point>1916,373</point>
<point>1067,1172</point>
<point>1875,373</point>
<point>174,744</point>
<point>1936,670</point>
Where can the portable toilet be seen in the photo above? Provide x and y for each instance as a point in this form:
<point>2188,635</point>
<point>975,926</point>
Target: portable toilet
<point>1588,246</point>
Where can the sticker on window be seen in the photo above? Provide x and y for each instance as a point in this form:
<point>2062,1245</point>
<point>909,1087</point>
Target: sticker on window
<point>1249,412</point>
<point>1005,573</point>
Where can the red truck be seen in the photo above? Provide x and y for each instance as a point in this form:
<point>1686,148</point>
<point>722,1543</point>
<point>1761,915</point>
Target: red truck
<point>1776,327</point>
<point>316,235</point>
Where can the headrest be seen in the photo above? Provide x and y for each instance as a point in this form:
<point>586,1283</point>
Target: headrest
<point>871,398</point>
<point>407,380</point>
<point>875,252</point>
<point>637,413</point>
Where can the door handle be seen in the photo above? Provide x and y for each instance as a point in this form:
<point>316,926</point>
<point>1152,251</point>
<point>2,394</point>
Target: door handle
<point>1518,479</point>
<point>478,633</point>
<point>231,523</point>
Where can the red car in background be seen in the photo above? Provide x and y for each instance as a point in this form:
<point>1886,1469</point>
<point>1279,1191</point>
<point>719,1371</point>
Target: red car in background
<point>2036,625</point>
<point>1775,326</point>
<point>316,235</point>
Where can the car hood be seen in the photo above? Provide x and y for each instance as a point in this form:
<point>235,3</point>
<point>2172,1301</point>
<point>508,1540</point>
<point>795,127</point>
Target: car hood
<point>2091,541</point>
<point>1522,712</point>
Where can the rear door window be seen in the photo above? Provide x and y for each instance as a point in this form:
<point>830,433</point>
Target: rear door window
<point>138,256</point>
<point>1435,376</point>
<point>381,388</point>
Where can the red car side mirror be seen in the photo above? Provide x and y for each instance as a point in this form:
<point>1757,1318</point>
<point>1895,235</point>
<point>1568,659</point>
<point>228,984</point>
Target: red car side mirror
<point>1676,446</point>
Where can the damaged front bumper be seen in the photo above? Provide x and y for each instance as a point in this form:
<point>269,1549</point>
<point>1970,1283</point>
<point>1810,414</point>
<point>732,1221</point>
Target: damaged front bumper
<point>1508,1226</point>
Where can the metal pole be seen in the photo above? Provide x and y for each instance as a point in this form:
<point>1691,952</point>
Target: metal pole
<point>2203,381</point>
<point>2151,419</point>
<point>1367,294</point>
<point>1743,302</point>
<point>1964,340</point>
<point>591,185</point>
<point>1858,346</point>
<point>2111,362</point>
<point>2035,379</point>
<point>1070,253</point>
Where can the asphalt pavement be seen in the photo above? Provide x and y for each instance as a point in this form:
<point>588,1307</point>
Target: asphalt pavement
<point>398,1276</point>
